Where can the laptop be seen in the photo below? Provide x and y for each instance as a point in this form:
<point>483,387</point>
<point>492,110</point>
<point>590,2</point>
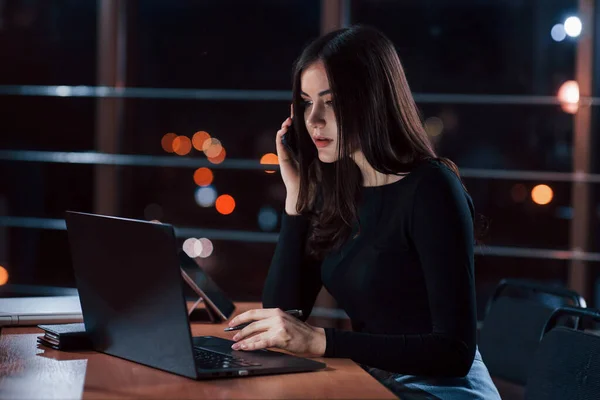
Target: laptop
<point>132,298</point>
<point>31,311</point>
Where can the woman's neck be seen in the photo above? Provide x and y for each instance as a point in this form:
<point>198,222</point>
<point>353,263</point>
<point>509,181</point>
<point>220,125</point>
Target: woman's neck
<point>372,177</point>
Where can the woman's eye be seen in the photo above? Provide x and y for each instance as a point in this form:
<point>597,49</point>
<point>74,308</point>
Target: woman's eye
<point>306,103</point>
<point>329,103</point>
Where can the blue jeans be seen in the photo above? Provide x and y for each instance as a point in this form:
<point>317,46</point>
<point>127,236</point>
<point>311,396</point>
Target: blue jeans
<point>476,385</point>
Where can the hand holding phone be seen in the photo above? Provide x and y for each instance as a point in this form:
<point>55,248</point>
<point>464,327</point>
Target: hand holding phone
<point>287,163</point>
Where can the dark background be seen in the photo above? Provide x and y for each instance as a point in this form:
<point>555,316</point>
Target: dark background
<point>453,47</point>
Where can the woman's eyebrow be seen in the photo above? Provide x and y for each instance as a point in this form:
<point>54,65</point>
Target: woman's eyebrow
<point>323,93</point>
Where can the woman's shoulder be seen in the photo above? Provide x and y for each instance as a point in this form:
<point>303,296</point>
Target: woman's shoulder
<point>435,177</point>
<point>434,169</point>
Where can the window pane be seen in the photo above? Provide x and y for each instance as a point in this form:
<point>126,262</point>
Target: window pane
<point>474,46</point>
<point>516,220</point>
<point>48,42</point>
<point>47,123</point>
<point>225,44</point>
<point>509,137</point>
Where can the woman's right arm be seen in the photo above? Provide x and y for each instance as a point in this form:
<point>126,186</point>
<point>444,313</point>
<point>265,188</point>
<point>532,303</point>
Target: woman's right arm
<point>294,280</point>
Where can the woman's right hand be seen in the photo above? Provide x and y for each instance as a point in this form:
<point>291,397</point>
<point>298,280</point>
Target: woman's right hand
<point>288,168</point>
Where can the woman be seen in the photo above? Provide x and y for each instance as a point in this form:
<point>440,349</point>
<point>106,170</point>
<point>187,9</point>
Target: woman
<point>373,215</point>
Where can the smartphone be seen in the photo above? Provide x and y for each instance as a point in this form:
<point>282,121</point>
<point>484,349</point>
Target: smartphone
<point>290,141</point>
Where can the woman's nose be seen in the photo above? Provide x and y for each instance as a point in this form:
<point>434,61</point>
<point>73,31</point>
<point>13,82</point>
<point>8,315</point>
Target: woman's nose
<point>315,119</point>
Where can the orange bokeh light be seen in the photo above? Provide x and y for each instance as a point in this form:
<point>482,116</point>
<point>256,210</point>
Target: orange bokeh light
<point>212,148</point>
<point>269,158</point>
<point>203,176</point>
<point>225,204</point>
<point>3,275</point>
<point>542,194</point>
<point>220,158</point>
<point>182,145</point>
<point>199,138</point>
<point>167,142</point>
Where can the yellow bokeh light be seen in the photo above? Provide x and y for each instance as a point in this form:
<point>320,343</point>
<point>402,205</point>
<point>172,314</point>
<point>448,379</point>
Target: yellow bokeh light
<point>167,142</point>
<point>3,275</point>
<point>219,158</point>
<point>182,145</point>
<point>199,138</point>
<point>225,204</point>
<point>212,147</point>
<point>268,159</point>
<point>434,126</point>
<point>542,194</point>
<point>203,176</point>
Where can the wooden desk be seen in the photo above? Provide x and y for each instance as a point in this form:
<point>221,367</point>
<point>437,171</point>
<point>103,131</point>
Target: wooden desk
<point>31,371</point>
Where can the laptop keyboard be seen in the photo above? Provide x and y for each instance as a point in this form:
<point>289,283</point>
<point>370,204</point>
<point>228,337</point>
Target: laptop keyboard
<point>211,360</point>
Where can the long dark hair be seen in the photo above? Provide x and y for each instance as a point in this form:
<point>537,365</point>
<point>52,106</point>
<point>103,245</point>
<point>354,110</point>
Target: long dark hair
<point>375,112</point>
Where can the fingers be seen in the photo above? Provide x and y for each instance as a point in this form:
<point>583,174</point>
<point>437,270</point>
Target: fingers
<point>286,124</point>
<point>292,110</point>
<point>262,341</point>
<point>255,315</point>
<point>254,327</point>
<point>282,152</point>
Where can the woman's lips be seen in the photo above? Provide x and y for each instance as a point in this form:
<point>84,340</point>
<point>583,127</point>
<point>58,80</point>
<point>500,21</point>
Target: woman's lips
<point>320,143</point>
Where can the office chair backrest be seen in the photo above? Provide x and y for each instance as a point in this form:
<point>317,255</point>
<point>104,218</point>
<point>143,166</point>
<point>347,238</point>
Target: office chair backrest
<point>567,362</point>
<point>514,326</point>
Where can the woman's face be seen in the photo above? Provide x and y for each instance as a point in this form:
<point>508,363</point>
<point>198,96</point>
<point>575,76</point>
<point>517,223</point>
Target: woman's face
<point>318,111</point>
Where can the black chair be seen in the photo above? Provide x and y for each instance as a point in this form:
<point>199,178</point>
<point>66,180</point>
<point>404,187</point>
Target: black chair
<point>567,361</point>
<point>514,324</point>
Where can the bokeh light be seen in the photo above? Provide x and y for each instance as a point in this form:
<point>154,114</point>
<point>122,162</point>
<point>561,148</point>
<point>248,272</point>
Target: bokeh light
<point>434,126</point>
<point>269,159</point>
<point>192,247</point>
<point>225,204</point>
<point>558,33</point>
<point>542,194</point>
<point>205,196</point>
<point>203,176</point>
<point>212,147</point>
<point>518,193</point>
<point>199,138</point>
<point>573,26</point>
<point>3,275</point>
<point>267,218</point>
<point>167,142</point>
<point>220,158</point>
<point>207,248</point>
<point>568,95</point>
<point>182,145</point>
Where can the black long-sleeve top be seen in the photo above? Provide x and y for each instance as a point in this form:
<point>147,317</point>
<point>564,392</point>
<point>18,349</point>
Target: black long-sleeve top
<point>406,281</point>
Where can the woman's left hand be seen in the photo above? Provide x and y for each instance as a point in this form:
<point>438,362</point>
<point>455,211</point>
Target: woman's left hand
<point>272,327</point>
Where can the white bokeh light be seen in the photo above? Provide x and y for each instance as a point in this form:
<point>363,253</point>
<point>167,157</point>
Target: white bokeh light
<point>573,26</point>
<point>569,92</point>
<point>193,247</point>
<point>205,196</point>
<point>558,33</point>
<point>207,247</point>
